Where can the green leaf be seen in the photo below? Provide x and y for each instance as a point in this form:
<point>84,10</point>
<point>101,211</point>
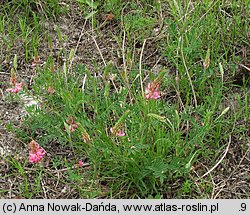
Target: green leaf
<point>81,1</point>
<point>71,54</point>
<point>160,118</point>
<point>159,169</point>
<point>91,14</point>
<point>67,128</point>
<point>189,164</point>
<point>15,62</point>
<point>92,4</point>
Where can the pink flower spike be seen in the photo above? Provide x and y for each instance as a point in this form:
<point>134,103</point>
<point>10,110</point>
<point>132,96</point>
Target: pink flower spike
<point>80,163</point>
<point>16,88</point>
<point>35,61</point>
<point>72,124</point>
<point>152,91</point>
<point>71,128</point>
<point>51,90</point>
<point>36,152</point>
<point>118,133</point>
<point>19,86</point>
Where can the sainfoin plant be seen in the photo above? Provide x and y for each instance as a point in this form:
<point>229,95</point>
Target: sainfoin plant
<point>139,144</point>
<point>15,86</point>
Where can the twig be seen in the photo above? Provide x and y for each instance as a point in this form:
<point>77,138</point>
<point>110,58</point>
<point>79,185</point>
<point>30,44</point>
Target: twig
<point>10,188</point>
<point>226,13</point>
<point>73,167</point>
<point>124,40</point>
<point>116,90</point>
<point>44,191</point>
<point>58,179</point>
<point>124,60</point>
<point>124,52</point>
<point>162,18</point>
<point>83,83</point>
<point>212,182</point>
<point>83,88</point>
<point>99,50</point>
<point>191,84</point>
<point>156,63</point>
<point>245,67</point>
<point>216,195</point>
<point>140,65</point>
<point>78,42</point>
<point>238,164</point>
<point>229,142</point>
<point>177,78</point>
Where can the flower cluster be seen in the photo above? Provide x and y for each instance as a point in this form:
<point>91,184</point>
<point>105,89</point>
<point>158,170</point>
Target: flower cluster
<point>51,90</point>
<point>72,124</point>
<point>152,90</point>
<point>80,163</point>
<point>16,87</point>
<point>85,136</point>
<point>36,152</point>
<point>35,61</point>
<point>117,131</point>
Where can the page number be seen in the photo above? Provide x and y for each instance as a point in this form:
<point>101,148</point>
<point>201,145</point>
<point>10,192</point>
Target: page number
<point>243,207</point>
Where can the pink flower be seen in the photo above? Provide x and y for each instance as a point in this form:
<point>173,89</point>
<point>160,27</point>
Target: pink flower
<point>152,91</point>
<point>80,163</point>
<point>16,88</point>
<point>13,79</point>
<point>73,126</point>
<point>118,133</point>
<point>36,61</point>
<point>36,152</point>
<point>51,90</point>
